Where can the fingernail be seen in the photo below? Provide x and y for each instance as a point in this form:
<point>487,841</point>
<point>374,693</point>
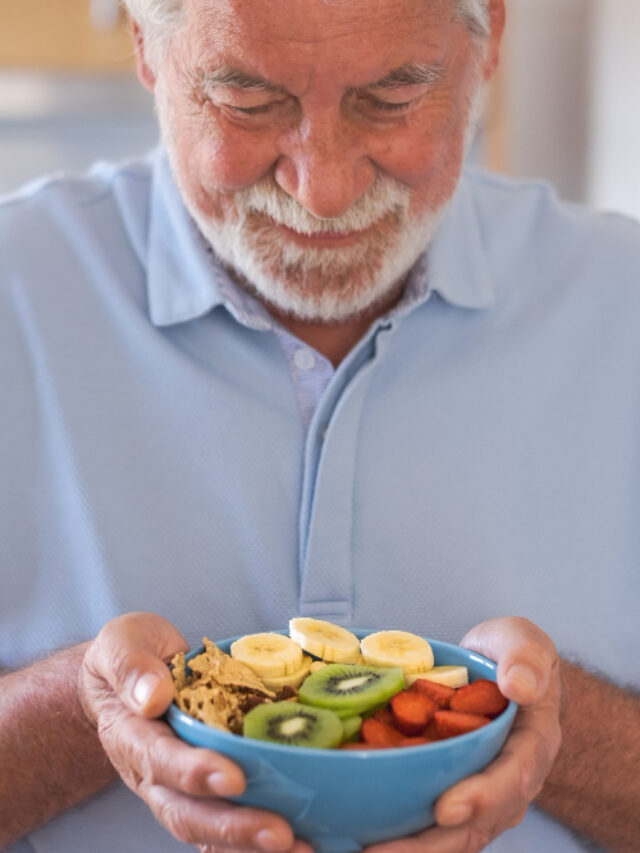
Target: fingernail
<point>221,785</point>
<point>525,676</point>
<point>268,840</point>
<point>145,686</point>
<point>456,813</point>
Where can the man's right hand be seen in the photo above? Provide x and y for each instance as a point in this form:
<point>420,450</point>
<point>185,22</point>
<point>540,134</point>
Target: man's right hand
<point>124,685</point>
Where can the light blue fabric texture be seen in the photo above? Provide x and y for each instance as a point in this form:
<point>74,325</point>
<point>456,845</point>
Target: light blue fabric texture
<point>476,455</point>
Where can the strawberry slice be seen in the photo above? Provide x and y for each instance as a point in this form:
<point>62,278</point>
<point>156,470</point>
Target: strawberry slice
<point>384,715</point>
<point>479,697</point>
<point>452,723</point>
<point>377,733</point>
<point>412,711</point>
<point>440,693</point>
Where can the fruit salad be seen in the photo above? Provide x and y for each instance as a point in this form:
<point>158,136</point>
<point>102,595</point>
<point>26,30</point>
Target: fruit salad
<point>322,687</point>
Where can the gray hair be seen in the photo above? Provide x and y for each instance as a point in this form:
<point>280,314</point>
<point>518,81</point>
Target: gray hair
<point>159,17</point>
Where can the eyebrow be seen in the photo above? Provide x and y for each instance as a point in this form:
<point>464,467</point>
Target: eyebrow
<point>237,79</point>
<point>411,74</point>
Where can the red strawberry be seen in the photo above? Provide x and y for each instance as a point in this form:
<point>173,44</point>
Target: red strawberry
<point>479,697</point>
<point>377,733</point>
<point>440,693</point>
<point>384,715</point>
<point>452,723</point>
<point>415,741</point>
<point>412,711</point>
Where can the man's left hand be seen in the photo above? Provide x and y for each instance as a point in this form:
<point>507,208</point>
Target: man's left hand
<point>481,807</point>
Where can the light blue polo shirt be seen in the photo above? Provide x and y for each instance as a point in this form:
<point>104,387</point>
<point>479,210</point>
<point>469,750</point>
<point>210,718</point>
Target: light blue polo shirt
<point>476,455</point>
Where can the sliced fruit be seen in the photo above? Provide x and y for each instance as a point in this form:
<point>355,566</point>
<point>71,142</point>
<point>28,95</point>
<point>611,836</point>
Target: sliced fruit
<point>452,676</point>
<point>412,711</point>
<point>351,726</point>
<point>377,733</point>
<point>293,724</point>
<point>295,679</point>
<point>317,664</point>
<point>415,741</point>
<point>350,689</point>
<point>325,640</point>
<point>480,697</point>
<point>452,723</point>
<point>268,655</point>
<point>384,715</point>
<point>440,693</point>
<point>397,648</point>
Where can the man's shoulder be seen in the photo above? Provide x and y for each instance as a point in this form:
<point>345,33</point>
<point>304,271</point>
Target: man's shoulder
<point>62,209</point>
<point>526,223</point>
<point>536,205</point>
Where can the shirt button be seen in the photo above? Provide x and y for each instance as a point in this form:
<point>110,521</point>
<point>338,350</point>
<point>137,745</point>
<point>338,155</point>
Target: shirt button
<point>303,359</point>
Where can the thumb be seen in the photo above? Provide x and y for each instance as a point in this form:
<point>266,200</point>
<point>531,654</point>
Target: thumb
<point>525,655</point>
<point>129,654</point>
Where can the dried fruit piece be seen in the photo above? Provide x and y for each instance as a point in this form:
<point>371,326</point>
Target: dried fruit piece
<point>452,723</point>
<point>480,697</point>
<point>412,711</point>
<point>440,693</point>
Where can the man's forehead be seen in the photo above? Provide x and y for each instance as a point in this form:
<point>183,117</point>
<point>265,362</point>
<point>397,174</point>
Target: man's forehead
<point>373,37</point>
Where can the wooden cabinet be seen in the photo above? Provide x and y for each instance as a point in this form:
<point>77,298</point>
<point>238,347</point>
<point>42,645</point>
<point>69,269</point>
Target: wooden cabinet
<point>58,34</point>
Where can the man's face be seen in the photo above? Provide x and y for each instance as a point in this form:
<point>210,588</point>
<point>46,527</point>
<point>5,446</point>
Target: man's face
<point>316,142</point>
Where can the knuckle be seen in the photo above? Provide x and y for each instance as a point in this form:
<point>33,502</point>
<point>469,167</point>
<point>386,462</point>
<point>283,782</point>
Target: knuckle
<point>189,778</point>
<point>121,665</point>
<point>530,778</point>
<point>173,816</point>
<point>477,839</point>
<point>227,829</point>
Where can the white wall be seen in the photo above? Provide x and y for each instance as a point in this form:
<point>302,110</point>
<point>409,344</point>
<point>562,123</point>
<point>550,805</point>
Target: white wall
<point>573,98</point>
<point>614,155</point>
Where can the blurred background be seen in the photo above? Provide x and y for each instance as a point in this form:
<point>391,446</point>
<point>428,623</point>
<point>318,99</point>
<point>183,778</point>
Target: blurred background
<point>565,106</point>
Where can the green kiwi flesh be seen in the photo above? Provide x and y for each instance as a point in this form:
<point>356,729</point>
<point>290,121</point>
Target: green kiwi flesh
<point>294,725</point>
<point>351,726</point>
<point>349,689</point>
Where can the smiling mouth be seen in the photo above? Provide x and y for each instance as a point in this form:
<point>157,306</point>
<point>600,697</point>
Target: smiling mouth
<point>329,239</point>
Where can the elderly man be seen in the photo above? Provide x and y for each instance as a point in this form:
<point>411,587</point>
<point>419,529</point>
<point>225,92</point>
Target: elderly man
<point>299,362</point>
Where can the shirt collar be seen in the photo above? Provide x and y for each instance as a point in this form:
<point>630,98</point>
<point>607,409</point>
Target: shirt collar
<point>185,281</point>
<point>456,265</point>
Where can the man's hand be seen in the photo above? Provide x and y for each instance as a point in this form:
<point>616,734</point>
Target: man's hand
<point>124,685</point>
<point>479,808</point>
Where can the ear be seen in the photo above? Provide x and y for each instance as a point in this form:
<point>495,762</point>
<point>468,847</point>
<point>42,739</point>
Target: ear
<point>497,16</point>
<point>143,68</point>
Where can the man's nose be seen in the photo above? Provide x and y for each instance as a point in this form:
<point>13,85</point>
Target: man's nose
<point>324,166</point>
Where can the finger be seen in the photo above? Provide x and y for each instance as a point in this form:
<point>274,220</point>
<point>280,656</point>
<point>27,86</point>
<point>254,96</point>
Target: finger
<point>526,656</point>
<point>146,753</point>
<point>217,823</point>
<point>299,846</point>
<point>494,799</point>
<point>438,839</point>
<point>129,654</point>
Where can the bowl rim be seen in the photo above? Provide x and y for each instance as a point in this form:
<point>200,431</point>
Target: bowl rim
<point>175,713</point>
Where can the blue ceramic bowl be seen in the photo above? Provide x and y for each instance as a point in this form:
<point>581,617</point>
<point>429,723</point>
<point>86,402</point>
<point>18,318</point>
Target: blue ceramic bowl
<point>341,801</point>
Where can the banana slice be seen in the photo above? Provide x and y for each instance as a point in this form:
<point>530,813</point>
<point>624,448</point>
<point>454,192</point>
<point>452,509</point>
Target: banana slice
<point>325,640</point>
<point>268,655</point>
<point>294,680</point>
<point>397,648</point>
<point>452,676</point>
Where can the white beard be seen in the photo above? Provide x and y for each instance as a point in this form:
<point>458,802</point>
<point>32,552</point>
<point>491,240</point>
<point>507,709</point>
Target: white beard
<point>316,284</point>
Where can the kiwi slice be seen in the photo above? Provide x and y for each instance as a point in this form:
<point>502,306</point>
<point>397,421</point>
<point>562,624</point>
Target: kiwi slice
<point>293,724</point>
<point>351,726</point>
<point>350,688</point>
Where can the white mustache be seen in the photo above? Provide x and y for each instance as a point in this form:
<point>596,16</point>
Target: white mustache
<point>383,199</point>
